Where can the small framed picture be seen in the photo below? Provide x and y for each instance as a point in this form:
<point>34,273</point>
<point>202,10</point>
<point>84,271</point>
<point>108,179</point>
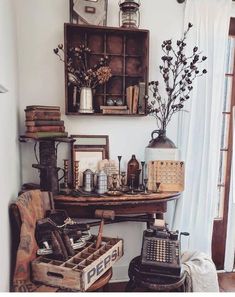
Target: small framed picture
<point>93,141</point>
<point>93,12</point>
<point>88,159</point>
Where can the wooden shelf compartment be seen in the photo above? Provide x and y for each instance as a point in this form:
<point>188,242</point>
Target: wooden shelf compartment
<point>128,61</point>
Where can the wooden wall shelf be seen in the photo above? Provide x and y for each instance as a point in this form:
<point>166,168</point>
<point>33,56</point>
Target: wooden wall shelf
<point>127,50</point>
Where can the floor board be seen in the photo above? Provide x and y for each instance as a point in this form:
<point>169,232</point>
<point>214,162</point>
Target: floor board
<point>227,282</point>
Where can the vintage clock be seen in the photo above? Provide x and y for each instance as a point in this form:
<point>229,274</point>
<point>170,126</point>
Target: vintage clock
<point>93,12</point>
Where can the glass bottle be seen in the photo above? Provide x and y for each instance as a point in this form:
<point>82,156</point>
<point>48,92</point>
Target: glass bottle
<point>132,168</point>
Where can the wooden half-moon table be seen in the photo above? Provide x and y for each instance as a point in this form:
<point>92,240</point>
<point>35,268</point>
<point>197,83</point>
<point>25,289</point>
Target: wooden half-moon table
<point>125,205</point>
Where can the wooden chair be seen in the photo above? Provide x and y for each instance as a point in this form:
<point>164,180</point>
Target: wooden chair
<point>15,224</point>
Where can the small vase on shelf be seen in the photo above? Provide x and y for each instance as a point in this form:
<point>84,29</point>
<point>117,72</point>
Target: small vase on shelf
<point>86,101</point>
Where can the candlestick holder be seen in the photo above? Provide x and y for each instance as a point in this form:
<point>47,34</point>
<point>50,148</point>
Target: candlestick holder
<point>114,177</point>
<point>145,185</point>
<point>124,188</point>
<point>158,187</point>
<point>119,165</point>
<point>66,166</point>
<point>76,182</point>
<point>142,178</point>
<point>64,188</point>
<point>114,191</point>
<point>138,172</point>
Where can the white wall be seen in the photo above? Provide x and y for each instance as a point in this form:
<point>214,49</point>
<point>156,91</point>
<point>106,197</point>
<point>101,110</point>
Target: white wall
<point>41,81</point>
<point>233,10</point>
<point>9,152</point>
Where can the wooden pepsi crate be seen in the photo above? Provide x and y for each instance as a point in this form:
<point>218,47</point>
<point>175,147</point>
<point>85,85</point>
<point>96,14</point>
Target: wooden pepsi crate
<point>80,271</point>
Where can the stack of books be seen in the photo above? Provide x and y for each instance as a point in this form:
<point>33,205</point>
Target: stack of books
<point>44,121</point>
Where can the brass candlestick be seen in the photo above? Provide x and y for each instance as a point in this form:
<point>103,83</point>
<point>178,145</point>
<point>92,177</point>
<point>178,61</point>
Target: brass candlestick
<point>123,180</point>
<point>114,177</point>
<point>76,182</point>
<point>66,167</point>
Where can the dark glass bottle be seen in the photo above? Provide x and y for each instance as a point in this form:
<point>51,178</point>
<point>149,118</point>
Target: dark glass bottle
<point>133,168</point>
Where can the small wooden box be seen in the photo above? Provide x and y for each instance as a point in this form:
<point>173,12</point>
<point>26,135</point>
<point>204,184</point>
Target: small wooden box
<point>170,175</point>
<point>80,271</point>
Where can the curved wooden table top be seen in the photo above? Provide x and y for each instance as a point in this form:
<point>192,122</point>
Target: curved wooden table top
<point>124,199</point>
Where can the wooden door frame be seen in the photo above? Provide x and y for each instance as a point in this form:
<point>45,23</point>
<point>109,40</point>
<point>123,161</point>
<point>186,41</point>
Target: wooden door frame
<point>219,234</point>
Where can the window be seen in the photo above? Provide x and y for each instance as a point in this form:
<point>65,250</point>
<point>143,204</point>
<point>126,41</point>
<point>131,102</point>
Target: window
<point>220,222</point>
<point>226,143</point>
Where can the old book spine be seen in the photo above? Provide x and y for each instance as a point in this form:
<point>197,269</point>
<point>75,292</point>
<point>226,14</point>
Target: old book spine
<point>42,115</point>
<point>42,107</point>
<point>135,99</point>
<point>44,123</point>
<point>46,129</point>
<point>129,97</point>
<point>46,134</point>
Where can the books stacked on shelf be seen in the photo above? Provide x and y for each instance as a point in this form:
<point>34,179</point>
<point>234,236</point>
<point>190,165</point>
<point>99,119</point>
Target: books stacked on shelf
<point>132,98</point>
<point>44,122</point>
<point>115,109</point>
<point>135,98</point>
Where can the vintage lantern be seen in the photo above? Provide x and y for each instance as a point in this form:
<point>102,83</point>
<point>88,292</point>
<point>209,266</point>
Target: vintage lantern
<point>129,15</point>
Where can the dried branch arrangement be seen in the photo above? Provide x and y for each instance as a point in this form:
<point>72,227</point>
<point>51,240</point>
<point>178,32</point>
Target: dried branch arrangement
<point>80,73</point>
<point>178,72</point>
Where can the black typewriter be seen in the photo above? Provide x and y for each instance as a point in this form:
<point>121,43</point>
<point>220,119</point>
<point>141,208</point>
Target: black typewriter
<point>160,253</point>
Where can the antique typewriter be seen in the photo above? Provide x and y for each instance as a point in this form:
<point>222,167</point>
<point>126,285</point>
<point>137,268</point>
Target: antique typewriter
<point>160,253</point>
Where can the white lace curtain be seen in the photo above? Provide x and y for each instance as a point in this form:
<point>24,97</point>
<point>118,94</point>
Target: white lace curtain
<point>200,128</point>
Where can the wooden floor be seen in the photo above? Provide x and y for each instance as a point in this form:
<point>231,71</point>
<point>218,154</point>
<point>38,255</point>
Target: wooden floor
<point>226,283</point>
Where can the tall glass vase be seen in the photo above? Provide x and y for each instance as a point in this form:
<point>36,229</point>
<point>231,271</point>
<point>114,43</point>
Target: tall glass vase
<point>86,101</point>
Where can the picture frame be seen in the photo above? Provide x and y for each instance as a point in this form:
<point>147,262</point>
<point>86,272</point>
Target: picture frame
<point>88,159</point>
<point>91,12</point>
<point>93,141</point>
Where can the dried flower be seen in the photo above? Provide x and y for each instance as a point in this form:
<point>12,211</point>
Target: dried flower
<point>178,73</point>
<point>103,74</point>
<point>80,73</point>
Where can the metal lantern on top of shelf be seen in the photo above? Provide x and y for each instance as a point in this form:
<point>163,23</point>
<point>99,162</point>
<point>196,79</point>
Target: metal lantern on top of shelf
<point>129,15</point>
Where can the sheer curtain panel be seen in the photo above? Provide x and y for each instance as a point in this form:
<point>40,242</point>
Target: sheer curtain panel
<point>200,127</point>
